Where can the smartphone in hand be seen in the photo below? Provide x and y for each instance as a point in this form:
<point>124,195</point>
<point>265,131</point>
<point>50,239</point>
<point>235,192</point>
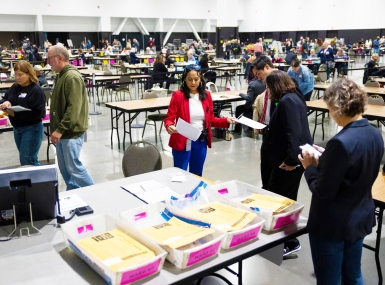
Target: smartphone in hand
<point>310,149</point>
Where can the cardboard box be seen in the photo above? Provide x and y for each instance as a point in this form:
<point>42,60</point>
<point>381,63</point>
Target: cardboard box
<point>97,224</point>
<point>235,189</point>
<point>180,258</point>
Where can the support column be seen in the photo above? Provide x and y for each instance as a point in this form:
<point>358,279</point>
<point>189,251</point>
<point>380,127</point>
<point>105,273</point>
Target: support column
<point>170,32</point>
<point>193,30</point>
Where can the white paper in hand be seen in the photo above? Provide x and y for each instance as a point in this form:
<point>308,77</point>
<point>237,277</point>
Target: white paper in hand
<point>18,109</point>
<point>310,149</point>
<point>250,123</point>
<point>187,130</point>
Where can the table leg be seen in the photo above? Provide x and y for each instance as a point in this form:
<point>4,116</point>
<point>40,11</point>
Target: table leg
<point>93,95</point>
<point>137,124</point>
<point>315,123</point>
<point>378,243</point>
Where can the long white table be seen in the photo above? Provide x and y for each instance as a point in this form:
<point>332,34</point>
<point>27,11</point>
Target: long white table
<point>45,259</point>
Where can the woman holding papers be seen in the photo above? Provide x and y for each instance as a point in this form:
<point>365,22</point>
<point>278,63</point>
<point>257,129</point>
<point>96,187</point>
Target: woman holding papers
<point>194,105</point>
<point>342,208</point>
<point>27,125</point>
<point>288,130</point>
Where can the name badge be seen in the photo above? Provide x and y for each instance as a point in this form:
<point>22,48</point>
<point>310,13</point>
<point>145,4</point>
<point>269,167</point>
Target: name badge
<point>22,95</point>
<point>327,52</point>
<point>300,76</point>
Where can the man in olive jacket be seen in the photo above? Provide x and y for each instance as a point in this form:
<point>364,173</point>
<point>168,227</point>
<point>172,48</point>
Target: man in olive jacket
<point>69,118</point>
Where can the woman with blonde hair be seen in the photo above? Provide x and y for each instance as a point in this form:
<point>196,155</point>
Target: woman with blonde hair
<point>27,125</point>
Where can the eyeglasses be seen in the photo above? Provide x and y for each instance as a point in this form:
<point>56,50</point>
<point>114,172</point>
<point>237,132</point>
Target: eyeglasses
<point>49,57</point>
<point>18,75</point>
<point>193,67</point>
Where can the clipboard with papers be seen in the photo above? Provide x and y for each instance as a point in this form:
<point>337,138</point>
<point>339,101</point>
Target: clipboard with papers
<point>250,123</point>
<point>187,130</point>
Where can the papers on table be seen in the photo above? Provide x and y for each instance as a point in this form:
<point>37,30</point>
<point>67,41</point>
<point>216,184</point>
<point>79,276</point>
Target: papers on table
<point>116,249</point>
<point>187,130</point>
<point>18,109</point>
<point>276,204</point>
<point>150,191</point>
<point>70,202</point>
<point>223,216</point>
<point>251,123</point>
<point>176,233</point>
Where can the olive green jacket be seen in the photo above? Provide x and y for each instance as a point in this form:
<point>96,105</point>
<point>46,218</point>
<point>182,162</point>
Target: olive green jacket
<point>69,104</point>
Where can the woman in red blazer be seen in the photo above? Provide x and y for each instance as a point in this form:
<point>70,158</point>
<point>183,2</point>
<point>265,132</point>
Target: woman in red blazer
<point>193,104</point>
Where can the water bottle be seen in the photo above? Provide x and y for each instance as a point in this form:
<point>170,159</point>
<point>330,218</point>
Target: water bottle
<point>164,84</point>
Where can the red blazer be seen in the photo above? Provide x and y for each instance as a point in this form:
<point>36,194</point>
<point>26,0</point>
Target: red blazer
<point>180,108</point>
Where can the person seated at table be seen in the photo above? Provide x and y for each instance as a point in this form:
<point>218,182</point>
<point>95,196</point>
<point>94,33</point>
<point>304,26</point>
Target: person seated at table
<point>303,77</point>
<point>292,54</point>
<point>341,183</point>
<point>83,45</point>
<point>276,59</point>
<point>81,55</point>
<point>125,52</point>
<point>312,54</point>
<point>193,104</point>
<point>133,58</point>
<point>5,51</point>
<point>190,57</point>
<point>373,69</point>
<point>40,76</point>
<point>313,66</point>
<point>108,52</point>
<point>160,72</point>
<point>36,54</point>
<point>169,61</point>
<point>208,74</point>
<point>27,126</point>
<point>341,66</point>
<point>182,50</point>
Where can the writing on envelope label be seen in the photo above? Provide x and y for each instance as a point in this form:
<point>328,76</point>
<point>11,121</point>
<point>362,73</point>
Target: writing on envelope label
<point>85,228</point>
<point>288,220</point>
<point>204,253</point>
<point>223,191</point>
<point>244,237</point>
<point>140,273</point>
<point>140,216</point>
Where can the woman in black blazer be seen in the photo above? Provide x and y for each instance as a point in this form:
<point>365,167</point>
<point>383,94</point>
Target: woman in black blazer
<point>288,130</point>
<point>342,208</point>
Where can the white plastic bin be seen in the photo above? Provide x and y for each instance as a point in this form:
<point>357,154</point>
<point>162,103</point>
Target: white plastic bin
<point>234,189</point>
<point>180,258</point>
<point>80,229</point>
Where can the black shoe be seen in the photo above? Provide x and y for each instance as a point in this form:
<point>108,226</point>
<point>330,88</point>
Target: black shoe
<point>289,250</point>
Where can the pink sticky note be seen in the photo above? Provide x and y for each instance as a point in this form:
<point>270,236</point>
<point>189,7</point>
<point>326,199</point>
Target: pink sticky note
<point>140,216</point>
<point>288,220</point>
<point>203,253</point>
<point>223,191</point>
<point>244,237</point>
<point>140,273</point>
<point>86,228</point>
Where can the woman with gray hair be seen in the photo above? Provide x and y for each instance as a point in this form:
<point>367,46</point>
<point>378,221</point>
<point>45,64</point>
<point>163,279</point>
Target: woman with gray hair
<point>340,179</point>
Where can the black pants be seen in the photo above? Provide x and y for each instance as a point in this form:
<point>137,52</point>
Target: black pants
<point>266,161</point>
<point>307,96</point>
<point>286,183</point>
<point>380,72</point>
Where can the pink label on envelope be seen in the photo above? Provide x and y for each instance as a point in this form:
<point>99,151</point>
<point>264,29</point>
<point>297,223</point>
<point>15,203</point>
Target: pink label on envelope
<point>244,237</point>
<point>204,253</point>
<point>140,273</point>
<point>288,220</point>
<point>140,216</point>
<point>86,228</point>
<point>223,191</point>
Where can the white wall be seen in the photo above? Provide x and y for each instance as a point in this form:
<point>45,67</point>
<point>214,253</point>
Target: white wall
<point>70,24</point>
<point>294,15</point>
<point>14,23</point>
<point>249,15</point>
